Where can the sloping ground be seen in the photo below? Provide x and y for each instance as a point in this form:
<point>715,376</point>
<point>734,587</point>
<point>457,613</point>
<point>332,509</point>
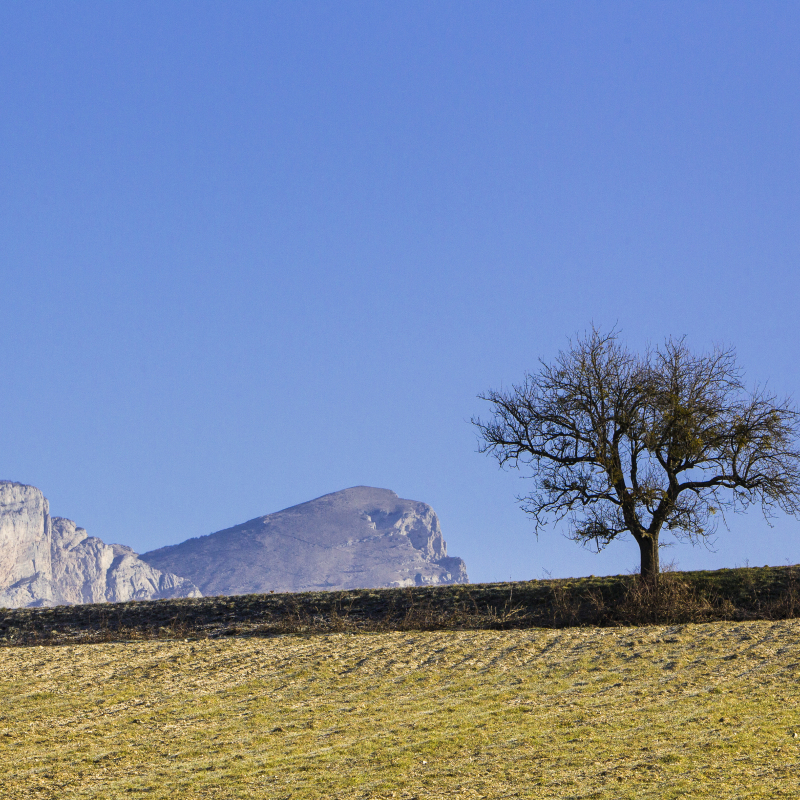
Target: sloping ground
<point>727,594</point>
<point>701,711</point>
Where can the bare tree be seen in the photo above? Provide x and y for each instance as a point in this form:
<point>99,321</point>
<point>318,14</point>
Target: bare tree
<point>621,442</point>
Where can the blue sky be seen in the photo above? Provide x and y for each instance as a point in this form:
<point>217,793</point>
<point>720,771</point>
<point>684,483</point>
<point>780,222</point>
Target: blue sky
<point>252,253</point>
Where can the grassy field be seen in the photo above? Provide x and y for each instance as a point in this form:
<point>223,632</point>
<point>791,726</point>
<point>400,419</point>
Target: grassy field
<point>697,710</point>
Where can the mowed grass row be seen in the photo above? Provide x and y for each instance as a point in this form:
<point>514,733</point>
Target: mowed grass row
<point>704,710</point>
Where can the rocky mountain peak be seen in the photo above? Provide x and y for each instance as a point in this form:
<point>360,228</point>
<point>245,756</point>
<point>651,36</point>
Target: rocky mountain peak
<point>360,537</point>
<point>48,561</point>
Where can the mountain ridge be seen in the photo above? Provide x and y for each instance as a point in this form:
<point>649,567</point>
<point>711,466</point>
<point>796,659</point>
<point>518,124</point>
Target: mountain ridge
<point>360,537</point>
<point>47,561</point>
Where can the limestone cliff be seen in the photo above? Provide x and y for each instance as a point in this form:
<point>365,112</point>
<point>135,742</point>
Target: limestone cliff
<point>25,532</point>
<point>356,538</point>
<point>48,561</point>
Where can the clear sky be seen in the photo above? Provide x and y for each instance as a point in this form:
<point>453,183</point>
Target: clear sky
<point>252,253</point>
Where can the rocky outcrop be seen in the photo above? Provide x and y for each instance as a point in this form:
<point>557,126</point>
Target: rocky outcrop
<point>48,561</point>
<point>24,545</point>
<point>357,538</point>
<point>86,570</point>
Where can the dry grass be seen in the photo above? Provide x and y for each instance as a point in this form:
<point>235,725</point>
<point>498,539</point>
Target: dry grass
<point>768,593</point>
<point>698,710</point>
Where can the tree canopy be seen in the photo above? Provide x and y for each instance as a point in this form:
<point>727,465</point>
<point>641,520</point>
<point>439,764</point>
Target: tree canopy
<point>620,442</point>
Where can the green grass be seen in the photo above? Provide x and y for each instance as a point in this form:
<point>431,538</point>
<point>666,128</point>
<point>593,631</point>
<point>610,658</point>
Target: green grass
<point>697,710</point>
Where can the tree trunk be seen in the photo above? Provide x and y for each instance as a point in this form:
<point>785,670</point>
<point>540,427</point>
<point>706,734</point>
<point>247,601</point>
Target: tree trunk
<point>648,546</point>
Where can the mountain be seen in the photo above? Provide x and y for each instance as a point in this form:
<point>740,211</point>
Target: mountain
<point>48,561</point>
<point>356,538</point>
